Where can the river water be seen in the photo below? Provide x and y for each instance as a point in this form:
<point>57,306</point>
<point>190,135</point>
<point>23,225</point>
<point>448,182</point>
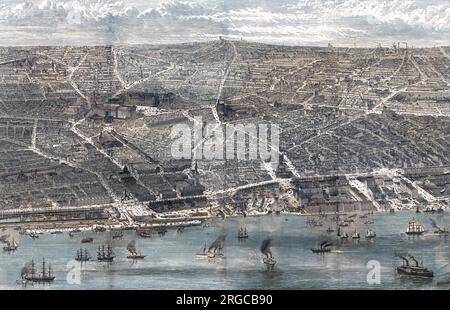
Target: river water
<point>171,262</point>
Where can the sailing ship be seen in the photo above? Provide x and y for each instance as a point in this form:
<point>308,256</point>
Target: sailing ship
<point>30,274</point>
<point>215,249</point>
<point>82,255</point>
<point>356,235</point>
<point>266,246</point>
<point>415,228</point>
<point>342,236</point>
<point>242,234</point>
<point>134,253</point>
<point>324,247</point>
<point>105,256</point>
<point>411,267</point>
<point>11,246</point>
<point>370,234</point>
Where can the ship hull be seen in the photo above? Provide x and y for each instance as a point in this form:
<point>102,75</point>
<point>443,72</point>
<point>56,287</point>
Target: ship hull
<point>136,256</point>
<point>411,233</point>
<point>414,273</point>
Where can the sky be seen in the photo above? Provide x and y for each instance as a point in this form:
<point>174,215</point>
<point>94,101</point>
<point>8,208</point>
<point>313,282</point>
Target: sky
<point>363,23</point>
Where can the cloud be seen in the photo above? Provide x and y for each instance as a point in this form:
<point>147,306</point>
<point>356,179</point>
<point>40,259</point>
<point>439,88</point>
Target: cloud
<point>298,22</point>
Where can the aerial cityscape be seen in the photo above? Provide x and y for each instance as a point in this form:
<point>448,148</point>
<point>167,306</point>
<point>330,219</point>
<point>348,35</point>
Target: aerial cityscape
<point>357,172</point>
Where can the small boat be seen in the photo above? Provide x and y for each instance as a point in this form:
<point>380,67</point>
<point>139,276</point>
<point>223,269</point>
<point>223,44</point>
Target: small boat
<point>330,230</point>
<point>33,235</point>
<point>134,253</point>
<point>391,210</point>
<point>440,210</point>
<point>415,228</point>
<point>344,224</point>
<point>439,230</point>
<point>87,240</point>
<point>4,238</point>
<point>180,229</point>
<point>370,234</point>
<point>356,235</point>
<point>342,236</point>
<point>430,210</point>
<point>368,222</point>
<point>71,234</point>
<point>324,247</point>
<point>56,232</point>
<point>266,249</point>
<point>242,234</point>
<point>145,233</point>
<point>105,256</point>
<point>82,255</point>
<point>11,246</point>
<point>411,267</point>
<point>99,228</point>
<point>30,274</point>
<point>118,235</point>
<point>162,231</point>
<point>418,210</point>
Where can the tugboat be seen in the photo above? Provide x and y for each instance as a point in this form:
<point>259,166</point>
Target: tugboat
<point>242,234</point>
<point>269,260</point>
<point>45,276</point>
<point>356,235</point>
<point>370,234</point>
<point>87,240</point>
<point>118,235</point>
<point>131,247</point>
<point>11,246</point>
<point>324,247</point>
<point>415,228</point>
<point>415,269</point>
<point>105,256</point>
<point>82,255</point>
